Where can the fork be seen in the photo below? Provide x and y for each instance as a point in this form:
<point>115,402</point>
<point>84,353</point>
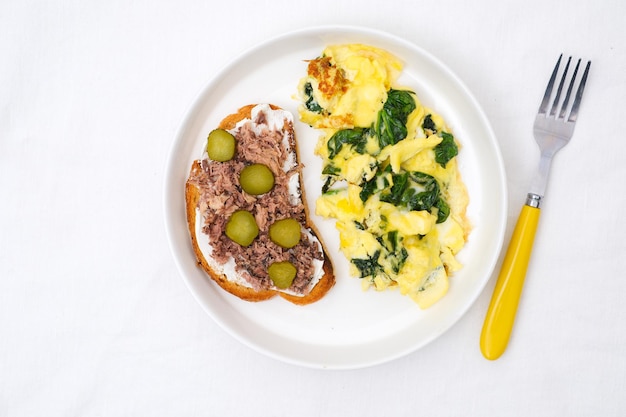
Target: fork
<point>553,129</point>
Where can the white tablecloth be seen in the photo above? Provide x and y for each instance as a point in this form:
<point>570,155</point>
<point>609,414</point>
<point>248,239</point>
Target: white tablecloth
<point>95,319</point>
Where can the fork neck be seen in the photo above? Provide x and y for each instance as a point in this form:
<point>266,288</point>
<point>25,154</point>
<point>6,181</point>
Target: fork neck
<point>533,200</point>
<point>540,180</point>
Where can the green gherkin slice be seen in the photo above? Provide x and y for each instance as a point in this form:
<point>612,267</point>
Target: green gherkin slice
<point>256,179</point>
<point>282,274</point>
<point>285,233</point>
<point>241,228</point>
<point>220,145</point>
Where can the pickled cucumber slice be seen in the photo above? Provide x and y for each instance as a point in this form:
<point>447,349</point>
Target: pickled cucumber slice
<point>241,228</point>
<point>285,233</point>
<point>256,179</point>
<point>282,274</point>
<point>221,145</point>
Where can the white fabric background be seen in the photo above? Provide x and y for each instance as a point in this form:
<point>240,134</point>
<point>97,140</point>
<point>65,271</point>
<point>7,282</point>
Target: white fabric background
<point>94,317</point>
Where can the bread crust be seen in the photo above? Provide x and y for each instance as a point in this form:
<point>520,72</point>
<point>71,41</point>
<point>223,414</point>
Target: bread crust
<point>192,196</point>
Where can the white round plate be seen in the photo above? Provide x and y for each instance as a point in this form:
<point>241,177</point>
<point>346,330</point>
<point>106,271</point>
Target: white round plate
<point>349,327</point>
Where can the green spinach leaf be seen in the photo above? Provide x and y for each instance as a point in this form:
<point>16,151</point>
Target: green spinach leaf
<point>398,259</point>
<point>330,169</point>
<point>397,193</point>
<point>310,103</point>
<point>368,188</point>
<point>428,124</point>
<point>394,254</point>
<point>392,118</point>
<point>330,180</point>
<point>391,239</point>
<point>426,199</point>
<point>446,149</point>
<point>368,266</point>
<point>443,210</point>
<point>416,191</point>
<point>356,137</point>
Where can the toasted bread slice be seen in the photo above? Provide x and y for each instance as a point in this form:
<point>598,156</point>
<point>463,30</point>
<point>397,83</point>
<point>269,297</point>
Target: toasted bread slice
<point>237,285</point>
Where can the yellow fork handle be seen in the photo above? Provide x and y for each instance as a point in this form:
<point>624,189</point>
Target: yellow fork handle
<point>501,313</point>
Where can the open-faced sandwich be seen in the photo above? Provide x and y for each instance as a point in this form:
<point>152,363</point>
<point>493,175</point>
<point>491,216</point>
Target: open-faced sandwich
<point>247,213</point>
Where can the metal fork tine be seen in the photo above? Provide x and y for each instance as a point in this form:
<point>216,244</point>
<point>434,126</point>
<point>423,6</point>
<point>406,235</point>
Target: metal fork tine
<point>546,97</point>
<point>569,92</point>
<point>558,91</point>
<point>579,95</point>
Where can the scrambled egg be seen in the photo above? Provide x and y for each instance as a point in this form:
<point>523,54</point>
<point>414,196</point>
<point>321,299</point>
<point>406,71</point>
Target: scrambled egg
<point>390,173</point>
<point>350,93</point>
